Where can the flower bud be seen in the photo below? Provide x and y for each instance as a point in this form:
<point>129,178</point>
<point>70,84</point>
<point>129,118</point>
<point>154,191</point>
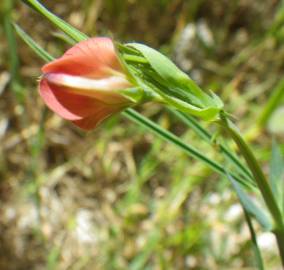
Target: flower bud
<point>161,76</point>
<point>85,85</point>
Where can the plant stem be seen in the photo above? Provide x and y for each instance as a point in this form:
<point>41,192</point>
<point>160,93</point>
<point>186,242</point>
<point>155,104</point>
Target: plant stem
<point>260,180</point>
<point>280,241</point>
<point>254,240</point>
<point>205,135</point>
<point>173,139</point>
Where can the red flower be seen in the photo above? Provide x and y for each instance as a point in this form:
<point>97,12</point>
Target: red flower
<point>83,85</point>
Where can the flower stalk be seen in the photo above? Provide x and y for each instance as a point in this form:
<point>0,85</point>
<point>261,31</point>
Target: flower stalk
<point>260,180</point>
<point>280,242</point>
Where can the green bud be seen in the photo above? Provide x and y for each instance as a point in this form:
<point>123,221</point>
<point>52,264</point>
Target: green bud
<point>155,73</point>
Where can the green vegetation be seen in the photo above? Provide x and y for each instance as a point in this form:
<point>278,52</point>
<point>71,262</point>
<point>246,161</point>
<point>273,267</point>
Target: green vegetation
<point>119,197</point>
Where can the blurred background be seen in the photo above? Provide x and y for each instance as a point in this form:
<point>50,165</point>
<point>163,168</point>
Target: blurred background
<point>118,197</point>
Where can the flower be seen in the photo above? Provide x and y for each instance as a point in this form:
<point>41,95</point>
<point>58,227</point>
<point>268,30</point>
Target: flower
<point>84,85</point>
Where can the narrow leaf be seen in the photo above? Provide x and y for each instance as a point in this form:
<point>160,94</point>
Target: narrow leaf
<point>277,173</point>
<point>206,136</point>
<point>61,24</point>
<point>173,139</point>
<point>255,246</point>
<point>250,206</point>
<point>34,46</point>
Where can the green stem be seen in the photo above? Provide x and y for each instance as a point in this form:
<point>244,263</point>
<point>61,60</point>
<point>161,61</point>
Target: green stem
<point>205,135</point>
<point>173,139</point>
<point>256,171</point>
<point>260,180</point>
<point>280,241</point>
<point>73,33</point>
<point>34,46</point>
<point>254,240</point>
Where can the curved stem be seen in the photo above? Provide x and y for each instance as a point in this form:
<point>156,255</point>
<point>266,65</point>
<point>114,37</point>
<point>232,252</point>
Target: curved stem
<point>204,134</point>
<point>260,180</point>
<point>173,139</point>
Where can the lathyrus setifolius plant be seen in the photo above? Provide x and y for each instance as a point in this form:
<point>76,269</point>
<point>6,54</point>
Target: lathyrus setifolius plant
<point>96,79</point>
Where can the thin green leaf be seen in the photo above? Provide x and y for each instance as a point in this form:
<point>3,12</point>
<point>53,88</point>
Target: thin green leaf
<point>33,45</point>
<point>65,38</point>
<point>173,139</point>
<point>257,172</point>
<point>61,24</point>
<point>177,84</point>
<point>206,136</point>
<point>250,206</point>
<point>255,246</point>
<point>243,201</point>
<point>276,174</point>
<point>208,113</point>
<point>193,125</point>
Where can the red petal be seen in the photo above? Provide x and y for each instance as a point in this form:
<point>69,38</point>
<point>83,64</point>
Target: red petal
<point>93,121</point>
<point>91,57</point>
<point>68,105</point>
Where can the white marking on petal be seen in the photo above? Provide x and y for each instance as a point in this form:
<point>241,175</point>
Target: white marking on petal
<point>106,84</point>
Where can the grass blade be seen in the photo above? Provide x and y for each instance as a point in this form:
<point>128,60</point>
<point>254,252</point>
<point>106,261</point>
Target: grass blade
<point>205,135</point>
<point>32,44</point>
<point>251,207</point>
<point>72,32</point>
<point>257,253</point>
<point>173,139</point>
<point>277,174</point>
